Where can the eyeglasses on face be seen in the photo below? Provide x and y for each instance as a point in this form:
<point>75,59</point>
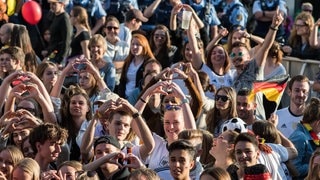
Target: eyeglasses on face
<point>172,107</point>
<point>223,98</point>
<point>112,27</point>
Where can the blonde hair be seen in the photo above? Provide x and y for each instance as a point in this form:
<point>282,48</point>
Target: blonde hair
<point>29,166</point>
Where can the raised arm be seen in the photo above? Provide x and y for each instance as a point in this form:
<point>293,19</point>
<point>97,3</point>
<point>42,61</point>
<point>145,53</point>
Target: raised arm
<point>56,89</point>
<point>189,120</point>
<point>139,126</point>
<point>173,17</point>
<point>261,56</point>
<point>197,56</point>
<point>314,41</point>
<point>223,32</point>
<point>149,11</point>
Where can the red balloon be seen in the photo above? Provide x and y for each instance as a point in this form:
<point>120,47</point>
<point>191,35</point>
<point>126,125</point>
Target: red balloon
<point>31,12</point>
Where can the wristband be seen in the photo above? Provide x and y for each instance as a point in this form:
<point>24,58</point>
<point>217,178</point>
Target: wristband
<point>273,28</point>
<point>135,115</point>
<point>185,100</point>
<point>142,100</point>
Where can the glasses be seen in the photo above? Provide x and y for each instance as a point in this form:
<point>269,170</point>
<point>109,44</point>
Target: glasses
<point>112,27</point>
<point>172,107</point>
<point>240,54</point>
<point>222,97</point>
<point>159,36</point>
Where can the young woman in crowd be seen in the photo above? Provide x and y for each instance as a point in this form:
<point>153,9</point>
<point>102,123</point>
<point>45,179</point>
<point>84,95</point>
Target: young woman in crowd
<point>132,72</point>
<point>80,40</point>
<point>161,46</point>
<point>98,49</point>
<point>224,109</point>
<point>26,169</point>
<point>9,157</point>
<point>299,40</point>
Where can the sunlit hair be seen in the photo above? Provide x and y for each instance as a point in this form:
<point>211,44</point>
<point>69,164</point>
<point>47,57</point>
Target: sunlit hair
<point>227,62</point>
<point>131,135</point>
<point>143,173</point>
<point>276,52</point>
<point>66,117</point>
<point>266,130</point>
<point>43,66</point>
<point>214,115</point>
<point>81,15</point>
<point>231,138</point>
<point>308,20</point>
<point>298,78</point>
<point>312,111</point>
<point>47,131</point>
<point>30,167</point>
<point>20,38</point>
<point>216,173</point>
<point>230,43</point>
<point>314,169</point>
<point>74,164</point>
<point>205,82</point>
<point>94,89</point>
<point>15,153</point>
<point>192,135</point>
<point>200,46</point>
<point>16,53</point>
<point>207,140</point>
<point>146,53</point>
<point>167,43</point>
<point>98,39</point>
<point>112,18</point>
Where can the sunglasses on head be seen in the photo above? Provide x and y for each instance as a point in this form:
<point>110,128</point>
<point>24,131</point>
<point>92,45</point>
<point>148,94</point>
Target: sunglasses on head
<point>172,107</point>
<point>232,55</point>
<point>222,97</point>
<point>112,27</point>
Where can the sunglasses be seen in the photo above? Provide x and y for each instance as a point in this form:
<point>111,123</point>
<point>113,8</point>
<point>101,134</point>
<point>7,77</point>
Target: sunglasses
<point>222,97</point>
<point>232,55</point>
<point>112,27</point>
<point>172,107</point>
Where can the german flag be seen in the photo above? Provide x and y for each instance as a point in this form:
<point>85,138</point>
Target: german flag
<point>272,90</point>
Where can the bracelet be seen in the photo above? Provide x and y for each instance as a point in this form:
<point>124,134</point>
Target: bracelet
<point>273,28</point>
<point>142,100</point>
<point>135,115</point>
<point>185,100</point>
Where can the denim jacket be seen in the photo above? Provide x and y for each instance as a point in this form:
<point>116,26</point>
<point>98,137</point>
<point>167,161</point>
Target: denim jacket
<point>305,146</point>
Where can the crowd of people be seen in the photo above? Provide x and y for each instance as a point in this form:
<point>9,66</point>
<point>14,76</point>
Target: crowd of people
<point>118,90</point>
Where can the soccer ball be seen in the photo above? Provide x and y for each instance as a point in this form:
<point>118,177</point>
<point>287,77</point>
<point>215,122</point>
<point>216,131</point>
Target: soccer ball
<point>235,124</point>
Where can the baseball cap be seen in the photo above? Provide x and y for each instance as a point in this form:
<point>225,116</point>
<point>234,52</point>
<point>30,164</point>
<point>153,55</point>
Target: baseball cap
<point>135,14</point>
<point>59,1</point>
<point>108,140</point>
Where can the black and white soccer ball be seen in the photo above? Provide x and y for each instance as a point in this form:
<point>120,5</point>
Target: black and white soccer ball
<point>235,124</point>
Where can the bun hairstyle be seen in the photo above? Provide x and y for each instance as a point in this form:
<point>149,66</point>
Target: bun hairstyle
<point>312,111</point>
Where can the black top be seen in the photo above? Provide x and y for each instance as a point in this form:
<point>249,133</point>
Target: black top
<point>75,45</point>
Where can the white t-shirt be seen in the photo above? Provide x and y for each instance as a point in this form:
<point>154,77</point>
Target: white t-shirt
<point>159,157</point>
<point>274,159</point>
<point>287,121</point>
<point>131,77</point>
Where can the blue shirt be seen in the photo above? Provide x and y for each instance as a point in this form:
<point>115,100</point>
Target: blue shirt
<point>235,14</point>
<point>305,146</point>
<point>206,12</point>
<point>94,7</point>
